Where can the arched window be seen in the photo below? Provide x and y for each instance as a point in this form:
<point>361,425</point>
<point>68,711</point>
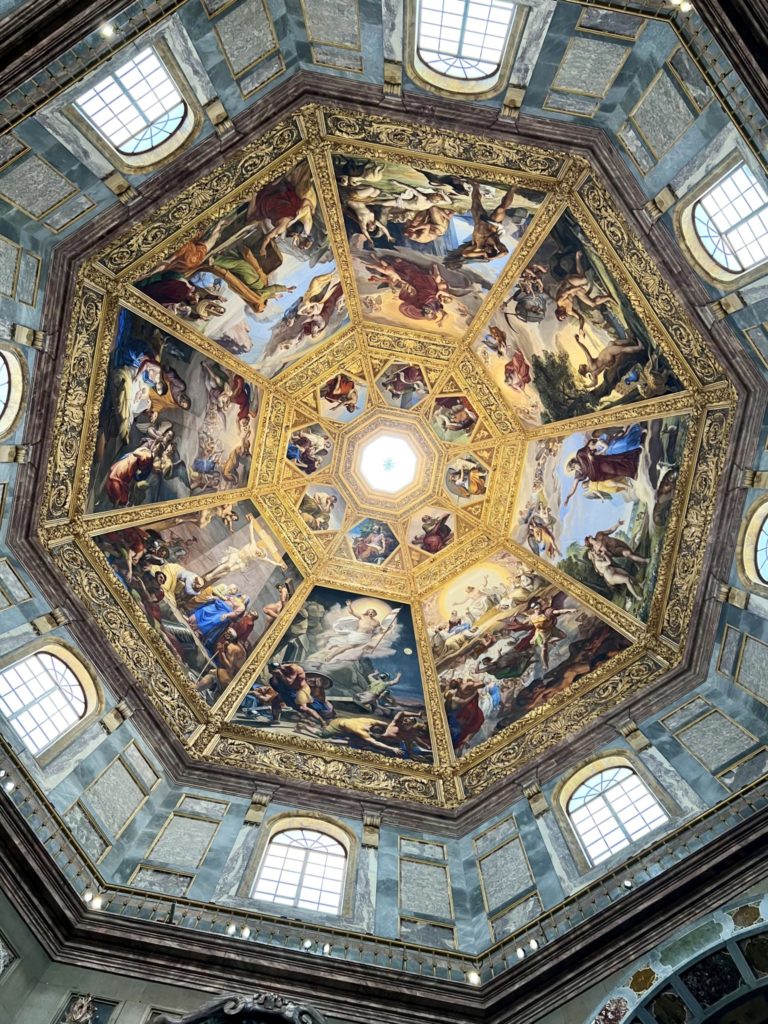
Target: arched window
<point>302,868</point>
<point>42,698</point>
<point>136,108</point>
<point>761,551</point>
<point>5,384</point>
<point>611,809</point>
<point>464,39</point>
<point>731,221</point>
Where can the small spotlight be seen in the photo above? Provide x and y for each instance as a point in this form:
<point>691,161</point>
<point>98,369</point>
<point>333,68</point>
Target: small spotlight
<point>97,902</point>
<point>627,883</point>
<point>533,945</point>
<point>685,6</point>
<point>107,30</point>
<point>307,944</point>
<point>231,929</point>
<point>9,786</point>
<point>245,931</point>
<point>473,978</point>
<point>87,895</point>
<point>327,948</point>
<point>3,773</point>
<point>520,952</point>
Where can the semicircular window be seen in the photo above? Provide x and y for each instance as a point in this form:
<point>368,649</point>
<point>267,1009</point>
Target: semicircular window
<point>42,698</point>
<point>761,552</point>
<point>612,809</point>
<point>302,868</point>
<point>731,221</point>
<point>137,108</point>
<point>5,384</point>
<point>464,38</point>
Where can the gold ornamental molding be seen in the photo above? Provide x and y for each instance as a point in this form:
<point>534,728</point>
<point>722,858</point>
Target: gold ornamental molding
<point>345,279</point>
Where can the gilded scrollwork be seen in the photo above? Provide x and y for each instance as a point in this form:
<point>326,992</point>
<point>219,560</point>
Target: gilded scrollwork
<point>289,401</point>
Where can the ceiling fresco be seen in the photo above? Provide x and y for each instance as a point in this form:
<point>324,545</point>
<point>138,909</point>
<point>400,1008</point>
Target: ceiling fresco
<point>385,457</point>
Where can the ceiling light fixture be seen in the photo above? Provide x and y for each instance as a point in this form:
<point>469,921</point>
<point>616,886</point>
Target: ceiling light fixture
<point>473,978</point>
<point>107,30</point>
<point>520,953</point>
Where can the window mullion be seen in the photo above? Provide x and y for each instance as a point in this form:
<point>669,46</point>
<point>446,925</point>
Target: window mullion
<point>302,874</point>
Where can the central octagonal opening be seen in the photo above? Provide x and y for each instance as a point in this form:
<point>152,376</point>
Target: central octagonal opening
<point>388,463</point>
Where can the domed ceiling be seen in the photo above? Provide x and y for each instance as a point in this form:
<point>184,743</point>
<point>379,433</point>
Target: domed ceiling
<point>384,457</point>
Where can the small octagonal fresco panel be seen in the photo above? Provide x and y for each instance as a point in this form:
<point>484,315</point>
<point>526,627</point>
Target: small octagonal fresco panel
<point>403,385</point>
<point>486,304</point>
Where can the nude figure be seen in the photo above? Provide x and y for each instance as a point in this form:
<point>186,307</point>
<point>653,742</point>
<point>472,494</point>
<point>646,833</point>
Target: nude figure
<point>612,574</point>
<point>576,286</point>
<point>606,359</point>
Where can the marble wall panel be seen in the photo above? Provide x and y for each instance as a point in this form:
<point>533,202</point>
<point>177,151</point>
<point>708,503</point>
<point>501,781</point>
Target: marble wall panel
<point>729,651</point>
<point>425,889</point>
<point>264,72</point>
<point>715,740</point>
<point>115,797</point>
<point>571,103</point>
<point>613,23</point>
<point>423,850</point>
<point>494,835</point>
<point>749,770</point>
<point>516,917</point>
<point>662,115</point>
<point>589,67</point>
<point>336,22</point>
<point>7,956</point>
<point>201,805</point>
<point>34,187</point>
<point>427,933</point>
<point>753,669</point>
<point>331,57</point>
<point>183,841</point>
<point>245,35</point>
<point>505,873</point>
<point>10,255</point>
<point>156,880</point>
<point>11,148</point>
<point>29,277</point>
<point>636,148</point>
<point>14,587</point>
<point>86,834</point>
<point>691,78</point>
<point>68,212</point>
<point>144,770</point>
<point>687,713</point>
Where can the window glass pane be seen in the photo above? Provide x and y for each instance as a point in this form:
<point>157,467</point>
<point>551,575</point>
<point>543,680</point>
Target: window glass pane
<point>610,810</point>
<point>42,698</point>
<point>304,868</point>
<point>730,221</point>
<point>463,38</point>
<point>138,107</point>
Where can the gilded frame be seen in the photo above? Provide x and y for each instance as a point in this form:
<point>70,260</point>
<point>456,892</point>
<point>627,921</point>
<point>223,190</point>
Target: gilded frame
<point>708,398</point>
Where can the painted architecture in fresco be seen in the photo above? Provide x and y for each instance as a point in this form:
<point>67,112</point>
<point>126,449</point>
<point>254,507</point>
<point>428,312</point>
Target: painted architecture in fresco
<point>566,340</point>
<point>172,424</point>
<point>504,641</point>
<point>346,672</point>
<point>427,247</point>
<point>596,504</point>
<point>261,280</point>
<point>210,584</point>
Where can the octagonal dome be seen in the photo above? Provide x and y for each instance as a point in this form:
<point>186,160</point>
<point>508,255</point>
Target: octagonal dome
<point>555,427</point>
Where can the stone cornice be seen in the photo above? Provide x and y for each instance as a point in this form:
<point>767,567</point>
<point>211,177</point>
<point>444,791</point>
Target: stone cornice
<point>524,992</point>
